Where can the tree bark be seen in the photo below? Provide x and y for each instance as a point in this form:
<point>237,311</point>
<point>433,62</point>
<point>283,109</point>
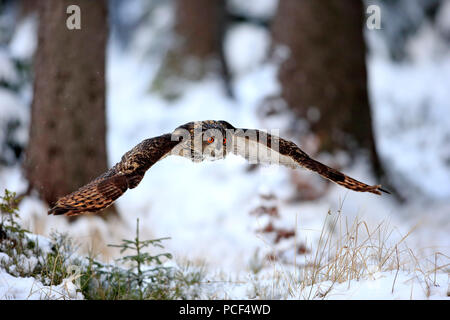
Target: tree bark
<point>198,47</point>
<point>324,78</point>
<point>199,25</point>
<point>67,145</point>
<point>27,7</point>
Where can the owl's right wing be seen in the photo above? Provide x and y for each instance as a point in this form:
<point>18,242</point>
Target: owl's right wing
<point>127,174</point>
<point>260,147</point>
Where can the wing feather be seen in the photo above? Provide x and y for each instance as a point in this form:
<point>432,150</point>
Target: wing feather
<point>260,147</point>
<point>96,195</point>
<point>127,174</point>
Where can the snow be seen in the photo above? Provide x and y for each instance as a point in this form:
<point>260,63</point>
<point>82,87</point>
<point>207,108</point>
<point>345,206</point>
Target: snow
<point>7,71</point>
<point>15,288</point>
<point>384,286</point>
<point>12,110</point>
<point>412,122</point>
<point>24,40</point>
<point>205,208</point>
<point>246,47</point>
<point>262,9</point>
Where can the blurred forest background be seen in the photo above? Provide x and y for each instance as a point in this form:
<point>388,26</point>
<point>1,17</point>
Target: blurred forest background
<point>372,102</point>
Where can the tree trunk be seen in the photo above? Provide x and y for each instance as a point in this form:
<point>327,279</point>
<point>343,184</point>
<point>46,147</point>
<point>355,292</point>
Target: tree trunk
<point>324,77</point>
<point>27,7</point>
<point>199,25</point>
<point>198,48</point>
<point>67,146</point>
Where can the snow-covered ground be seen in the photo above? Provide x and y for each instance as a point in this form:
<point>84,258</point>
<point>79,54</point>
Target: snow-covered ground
<point>29,288</point>
<point>210,210</point>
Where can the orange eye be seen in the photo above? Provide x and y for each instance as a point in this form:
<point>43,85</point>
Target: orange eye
<point>224,140</point>
<point>210,140</point>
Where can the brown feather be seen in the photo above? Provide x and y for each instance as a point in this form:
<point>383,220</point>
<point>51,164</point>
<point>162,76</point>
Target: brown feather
<point>298,157</point>
<point>104,190</point>
<point>97,195</point>
<point>338,177</point>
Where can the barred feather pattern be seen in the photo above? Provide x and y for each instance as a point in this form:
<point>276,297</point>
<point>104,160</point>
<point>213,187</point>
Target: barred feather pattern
<point>292,156</point>
<point>127,174</point>
<point>339,177</point>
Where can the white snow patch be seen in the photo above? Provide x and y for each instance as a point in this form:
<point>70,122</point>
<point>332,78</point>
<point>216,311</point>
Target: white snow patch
<point>16,288</point>
<point>24,41</point>
<point>261,9</point>
<point>382,286</point>
<point>246,47</point>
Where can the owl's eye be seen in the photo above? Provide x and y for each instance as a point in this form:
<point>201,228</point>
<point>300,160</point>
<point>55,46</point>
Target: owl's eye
<point>210,140</point>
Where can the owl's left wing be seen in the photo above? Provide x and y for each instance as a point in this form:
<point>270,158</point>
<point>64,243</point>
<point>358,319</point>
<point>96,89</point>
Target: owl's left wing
<point>260,147</point>
<point>101,192</point>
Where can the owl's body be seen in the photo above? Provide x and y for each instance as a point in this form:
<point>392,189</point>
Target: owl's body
<point>197,141</point>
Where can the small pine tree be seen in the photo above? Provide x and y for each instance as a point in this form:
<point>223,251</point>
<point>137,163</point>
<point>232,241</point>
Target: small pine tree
<point>140,275</point>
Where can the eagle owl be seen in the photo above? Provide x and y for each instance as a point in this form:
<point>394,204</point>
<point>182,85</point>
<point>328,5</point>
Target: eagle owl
<point>198,141</point>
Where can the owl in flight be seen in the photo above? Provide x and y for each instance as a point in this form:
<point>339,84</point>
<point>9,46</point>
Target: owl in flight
<point>197,141</point>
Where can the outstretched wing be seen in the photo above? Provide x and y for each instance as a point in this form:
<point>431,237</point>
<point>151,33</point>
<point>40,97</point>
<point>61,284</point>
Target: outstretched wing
<point>95,196</point>
<point>127,174</point>
<point>261,147</point>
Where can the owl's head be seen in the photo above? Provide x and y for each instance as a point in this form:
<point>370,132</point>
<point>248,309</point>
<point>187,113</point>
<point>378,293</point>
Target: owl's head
<point>202,140</point>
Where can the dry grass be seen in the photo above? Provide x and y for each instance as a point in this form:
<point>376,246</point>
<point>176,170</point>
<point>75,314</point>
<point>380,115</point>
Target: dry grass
<point>351,251</point>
